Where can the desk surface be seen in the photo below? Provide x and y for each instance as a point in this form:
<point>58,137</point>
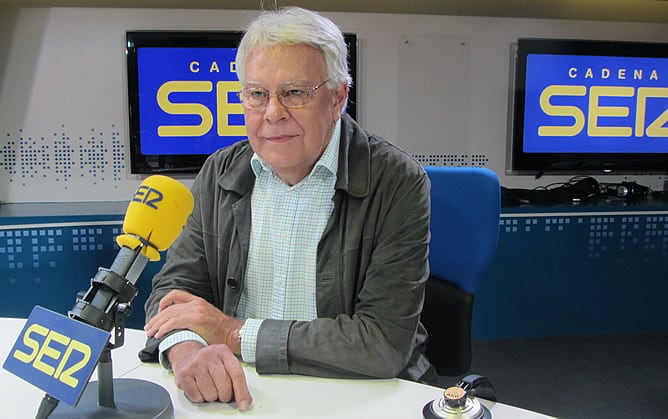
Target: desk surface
<point>275,396</point>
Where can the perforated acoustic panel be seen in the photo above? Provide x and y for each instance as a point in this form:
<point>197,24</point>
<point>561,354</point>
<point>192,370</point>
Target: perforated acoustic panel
<point>48,165</point>
<point>457,160</point>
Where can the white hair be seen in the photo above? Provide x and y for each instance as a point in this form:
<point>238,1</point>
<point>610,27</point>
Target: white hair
<point>297,26</point>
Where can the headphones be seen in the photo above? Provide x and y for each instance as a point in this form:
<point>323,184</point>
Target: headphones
<point>579,188</point>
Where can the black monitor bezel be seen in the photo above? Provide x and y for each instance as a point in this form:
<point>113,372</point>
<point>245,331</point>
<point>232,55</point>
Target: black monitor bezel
<point>520,162</point>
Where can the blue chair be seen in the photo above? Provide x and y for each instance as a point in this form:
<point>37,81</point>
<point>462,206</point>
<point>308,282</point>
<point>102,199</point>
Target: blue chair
<point>465,210</point>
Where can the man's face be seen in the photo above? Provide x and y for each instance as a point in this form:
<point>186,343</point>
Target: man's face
<point>291,140</point>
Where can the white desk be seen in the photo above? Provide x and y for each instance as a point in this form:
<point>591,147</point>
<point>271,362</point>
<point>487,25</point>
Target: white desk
<point>277,396</point>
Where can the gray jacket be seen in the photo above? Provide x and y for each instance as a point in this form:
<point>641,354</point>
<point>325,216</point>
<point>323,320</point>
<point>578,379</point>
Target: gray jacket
<point>371,262</point>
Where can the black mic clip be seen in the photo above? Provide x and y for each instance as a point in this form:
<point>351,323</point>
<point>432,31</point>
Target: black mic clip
<point>108,293</point>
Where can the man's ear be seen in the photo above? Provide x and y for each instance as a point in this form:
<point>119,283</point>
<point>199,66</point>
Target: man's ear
<point>339,99</point>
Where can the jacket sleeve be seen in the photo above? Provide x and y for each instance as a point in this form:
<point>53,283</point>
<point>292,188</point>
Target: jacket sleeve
<point>185,268</point>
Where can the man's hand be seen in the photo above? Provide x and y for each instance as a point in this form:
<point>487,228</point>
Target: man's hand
<point>182,310</point>
<point>209,373</point>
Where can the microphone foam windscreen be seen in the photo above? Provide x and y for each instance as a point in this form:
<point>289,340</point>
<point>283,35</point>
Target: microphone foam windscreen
<point>158,211</point>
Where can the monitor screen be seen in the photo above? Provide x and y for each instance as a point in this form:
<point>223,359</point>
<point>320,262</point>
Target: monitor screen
<point>182,94</point>
<point>589,106</point>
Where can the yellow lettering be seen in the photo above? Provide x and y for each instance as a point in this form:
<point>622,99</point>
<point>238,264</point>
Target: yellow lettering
<point>553,110</point>
<point>214,68</point>
<point>185,108</point>
<point>233,66</point>
<point>66,376</point>
<point>63,340</point>
<point>49,352</point>
<point>194,67</point>
<point>139,193</point>
<point>589,74</point>
<point>605,73</point>
<point>596,111</point>
<point>225,108</point>
<point>637,74</point>
<point>654,75</point>
<point>31,343</point>
<point>572,72</point>
<point>621,74</point>
<point>656,128</point>
<point>40,352</point>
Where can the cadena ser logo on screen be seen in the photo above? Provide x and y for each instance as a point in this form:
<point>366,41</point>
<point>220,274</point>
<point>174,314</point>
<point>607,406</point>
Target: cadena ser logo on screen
<point>588,103</point>
<point>188,100</point>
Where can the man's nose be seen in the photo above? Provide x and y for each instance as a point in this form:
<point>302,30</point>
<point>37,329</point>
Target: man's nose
<point>274,110</point>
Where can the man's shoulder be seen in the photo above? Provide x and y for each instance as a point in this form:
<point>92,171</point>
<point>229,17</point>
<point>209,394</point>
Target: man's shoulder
<point>229,168</point>
<point>382,152</point>
<point>240,149</point>
<point>387,156</point>
<point>374,163</point>
<point>223,158</point>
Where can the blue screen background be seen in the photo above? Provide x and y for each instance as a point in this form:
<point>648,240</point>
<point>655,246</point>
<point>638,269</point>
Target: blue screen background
<point>544,70</point>
<point>159,65</point>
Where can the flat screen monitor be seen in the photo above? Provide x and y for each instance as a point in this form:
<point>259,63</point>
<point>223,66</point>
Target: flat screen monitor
<point>583,106</point>
<point>182,96</point>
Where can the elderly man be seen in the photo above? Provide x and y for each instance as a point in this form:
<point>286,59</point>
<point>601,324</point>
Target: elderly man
<point>306,252</point>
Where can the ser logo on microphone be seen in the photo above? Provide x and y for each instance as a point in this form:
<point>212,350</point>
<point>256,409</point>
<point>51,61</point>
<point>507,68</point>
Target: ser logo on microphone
<point>148,196</point>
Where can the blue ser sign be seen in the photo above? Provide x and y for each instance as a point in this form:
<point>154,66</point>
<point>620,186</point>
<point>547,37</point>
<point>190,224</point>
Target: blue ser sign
<point>56,354</point>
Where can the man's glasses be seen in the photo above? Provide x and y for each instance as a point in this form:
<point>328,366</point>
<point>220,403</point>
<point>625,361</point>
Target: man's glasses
<point>290,96</point>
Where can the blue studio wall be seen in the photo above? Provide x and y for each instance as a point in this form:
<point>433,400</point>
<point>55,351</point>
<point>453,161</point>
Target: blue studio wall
<point>575,271</point>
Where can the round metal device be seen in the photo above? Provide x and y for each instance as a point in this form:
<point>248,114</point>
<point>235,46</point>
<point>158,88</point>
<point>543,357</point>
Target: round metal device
<point>455,404</point>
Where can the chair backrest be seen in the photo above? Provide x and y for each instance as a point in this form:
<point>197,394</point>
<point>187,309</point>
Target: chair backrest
<point>465,209</point>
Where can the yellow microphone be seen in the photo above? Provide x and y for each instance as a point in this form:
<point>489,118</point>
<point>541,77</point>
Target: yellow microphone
<point>156,215</point>
<point>154,219</point>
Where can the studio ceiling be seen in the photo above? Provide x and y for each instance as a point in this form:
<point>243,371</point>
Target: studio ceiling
<point>602,10</point>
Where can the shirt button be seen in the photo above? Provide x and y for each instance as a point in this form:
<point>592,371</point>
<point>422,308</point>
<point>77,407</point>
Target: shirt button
<point>232,283</point>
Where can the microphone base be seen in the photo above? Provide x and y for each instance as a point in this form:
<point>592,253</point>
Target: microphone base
<point>429,412</point>
<point>133,399</point>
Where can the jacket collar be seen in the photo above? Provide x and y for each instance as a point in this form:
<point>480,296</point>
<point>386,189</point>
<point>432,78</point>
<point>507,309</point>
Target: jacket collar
<point>236,173</point>
<point>353,174</point>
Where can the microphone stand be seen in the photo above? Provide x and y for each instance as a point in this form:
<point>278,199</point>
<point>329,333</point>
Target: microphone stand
<point>105,373</point>
<point>105,305</point>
